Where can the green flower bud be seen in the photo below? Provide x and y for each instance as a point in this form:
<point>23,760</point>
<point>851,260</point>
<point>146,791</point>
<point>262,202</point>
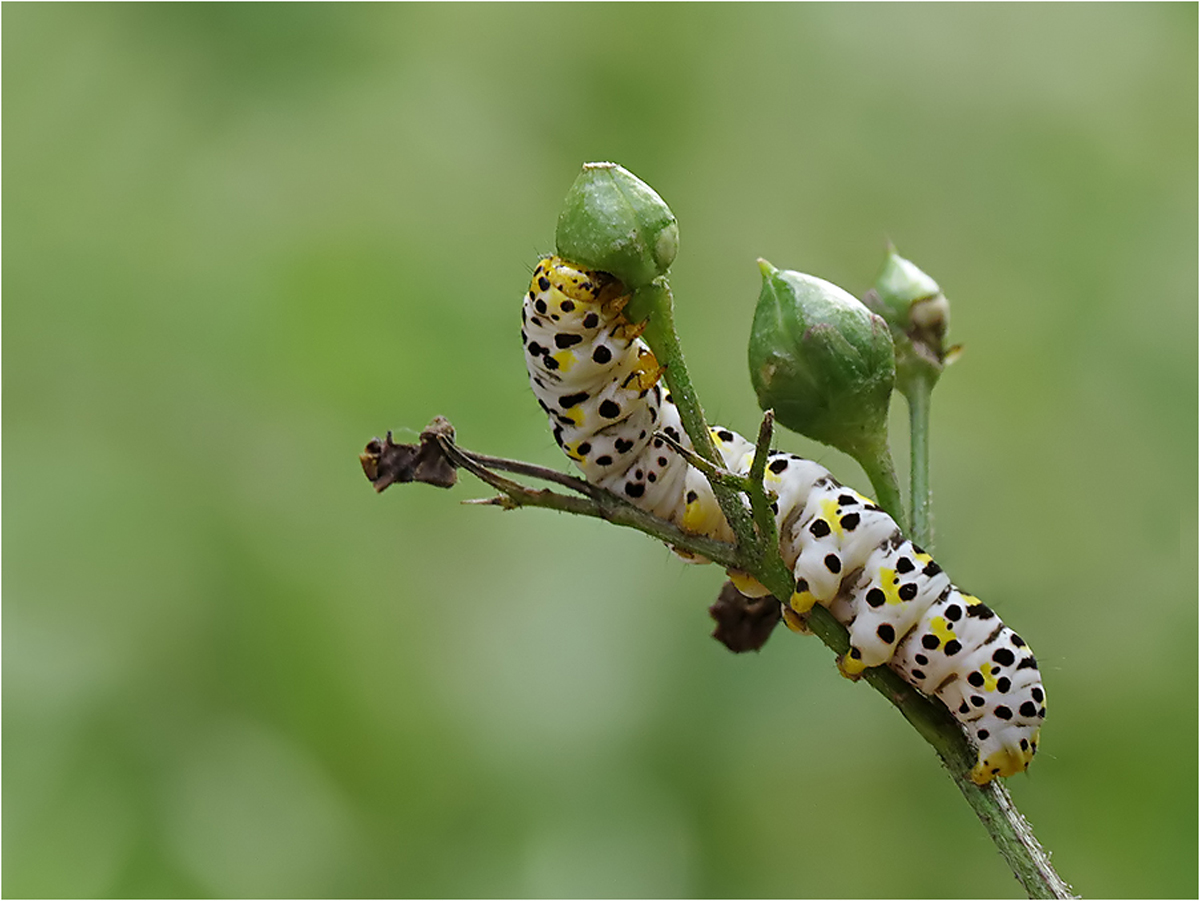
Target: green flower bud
<point>615,222</point>
<point>822,361</point>
<point>918,314</point>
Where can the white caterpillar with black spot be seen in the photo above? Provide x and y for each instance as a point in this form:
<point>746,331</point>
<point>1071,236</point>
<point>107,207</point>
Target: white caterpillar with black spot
<point>599,384</point>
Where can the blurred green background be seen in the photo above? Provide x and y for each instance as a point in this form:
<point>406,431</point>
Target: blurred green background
<point>241,240</point>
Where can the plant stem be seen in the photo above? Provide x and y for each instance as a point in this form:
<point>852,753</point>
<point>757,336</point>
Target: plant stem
<point>770,565</point>
<point>654,305</point>
<point>877,464</point>
<point>597,502</point>
<point>917,391</point>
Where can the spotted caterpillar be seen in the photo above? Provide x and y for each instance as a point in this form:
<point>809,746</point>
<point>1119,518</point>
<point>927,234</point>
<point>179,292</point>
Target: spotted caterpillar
<point>599,385</point>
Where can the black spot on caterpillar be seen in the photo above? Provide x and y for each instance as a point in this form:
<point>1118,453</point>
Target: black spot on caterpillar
<point>599,383</point>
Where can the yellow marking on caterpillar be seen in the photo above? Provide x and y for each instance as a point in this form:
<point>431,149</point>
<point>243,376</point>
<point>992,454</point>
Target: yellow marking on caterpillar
<point>555,296</point>
<point>849,667</point>
<point>569,281</point>
<point>648,377</point>
<point>566,279</point>
<point>888,582</point>
<point>942,629</point>
<point>989,681</point>
<point>694,517</point>
<point>829,512</point>
<point>566,360</point>
<point>802,601</point>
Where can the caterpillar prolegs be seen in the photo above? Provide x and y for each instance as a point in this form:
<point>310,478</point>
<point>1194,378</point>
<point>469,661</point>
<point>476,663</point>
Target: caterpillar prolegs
<point>599,385</point>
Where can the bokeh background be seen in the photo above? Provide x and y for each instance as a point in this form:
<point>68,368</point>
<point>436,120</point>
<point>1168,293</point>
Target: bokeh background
<point>241,240</point>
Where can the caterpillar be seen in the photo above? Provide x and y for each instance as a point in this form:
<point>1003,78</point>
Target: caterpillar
<point>599,384</point>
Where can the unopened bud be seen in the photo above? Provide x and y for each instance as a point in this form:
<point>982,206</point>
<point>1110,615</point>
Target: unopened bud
<point>615,222</point>
<point>822,361</point>
<point>918,314</point>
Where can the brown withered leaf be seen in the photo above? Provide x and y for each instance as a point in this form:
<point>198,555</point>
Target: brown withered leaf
<point>743,623</point>
<point>384,462</point>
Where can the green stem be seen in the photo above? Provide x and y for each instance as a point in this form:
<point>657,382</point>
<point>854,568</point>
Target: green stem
<point>769,561</point>
<point>654,305</point>
<point>917,391</point>
<point>877,464</point>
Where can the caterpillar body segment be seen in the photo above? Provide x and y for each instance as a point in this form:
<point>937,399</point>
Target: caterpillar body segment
<point>599,385</point>
<point>589,372</point>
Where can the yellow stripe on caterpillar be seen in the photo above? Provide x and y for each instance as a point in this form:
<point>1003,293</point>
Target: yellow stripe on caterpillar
<point>802,601</point>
